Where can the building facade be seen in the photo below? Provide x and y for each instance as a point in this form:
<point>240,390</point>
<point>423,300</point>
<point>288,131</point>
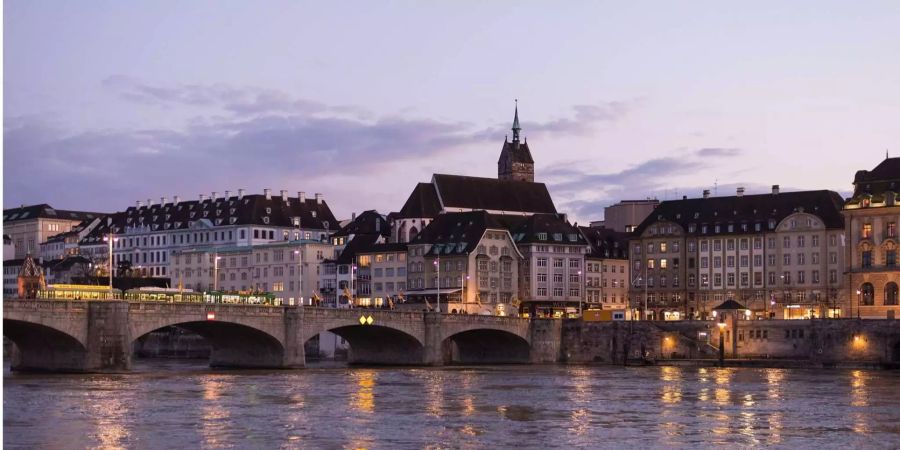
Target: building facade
<point>872,216</point>
<point>607,268</point>
<point>384,266</point>
<point>30,226</point>
<point>626,215</point>
<point>780,254</point>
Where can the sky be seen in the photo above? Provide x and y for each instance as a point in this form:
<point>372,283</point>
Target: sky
<point>107,103</point>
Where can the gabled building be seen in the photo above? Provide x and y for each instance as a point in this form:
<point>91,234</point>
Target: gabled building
<point>468,262</point>
<point>872,216</point>
<point>344,280</point>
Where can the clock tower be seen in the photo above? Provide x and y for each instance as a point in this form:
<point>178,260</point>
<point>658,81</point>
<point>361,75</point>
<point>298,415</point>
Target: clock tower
<point>515,163</point>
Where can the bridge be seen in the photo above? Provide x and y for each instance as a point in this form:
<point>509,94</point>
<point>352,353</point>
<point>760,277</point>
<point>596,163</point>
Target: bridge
<point>98,336</point>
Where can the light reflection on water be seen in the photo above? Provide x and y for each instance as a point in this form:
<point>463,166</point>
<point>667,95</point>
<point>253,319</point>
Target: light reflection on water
<point>177,404</point>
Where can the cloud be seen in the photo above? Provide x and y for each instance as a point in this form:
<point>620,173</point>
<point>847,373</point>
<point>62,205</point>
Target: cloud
<point>584,193</point>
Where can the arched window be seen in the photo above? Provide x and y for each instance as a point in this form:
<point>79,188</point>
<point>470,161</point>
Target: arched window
<point>890,294</point>
<point>413,232</point>
<point>868,294</point>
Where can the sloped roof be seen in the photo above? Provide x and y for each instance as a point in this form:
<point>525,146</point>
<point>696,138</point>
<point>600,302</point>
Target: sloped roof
<point>606,242</point>
<point>746,209</point>
<point>422,203</point>
<point>393,247</point>
<point>477,193</point>
<point>518,152</point>
<point>875,183</point>
<point>359,244</point>
<point>368,222</point>
<point>548,229</point>
<point>253,209</point>
<point>45,211</point>
<point>456,233</point>
<point>730,304</point>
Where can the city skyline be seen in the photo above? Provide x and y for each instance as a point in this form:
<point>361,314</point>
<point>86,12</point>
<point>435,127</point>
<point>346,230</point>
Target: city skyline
<point>622,103</point>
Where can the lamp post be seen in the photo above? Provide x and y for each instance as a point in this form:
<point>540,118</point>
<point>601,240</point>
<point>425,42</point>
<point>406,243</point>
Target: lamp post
<point>110,238</point>
<point>463,296</point>
<point>858,294</point>
<point>437,263</point>
<point>580,296</point>
<point>300,278</point>
<point>216,259</point>
<point>721,325</point>
<point>352,285</point>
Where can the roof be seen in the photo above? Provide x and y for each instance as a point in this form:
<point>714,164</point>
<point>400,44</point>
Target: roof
<point>66,263</point>
<point>422,202</point>
<point>393,247</point>
<point>518,152</point>
<point>476,193</point>
<point>548,229</point>
<point>45,211</point>
<point>253,209</point>
<point>730,304</point>
<point>30,268</point>
<point>359,244</point>
<point>7,239</point>
<point>746,209</point>
<point>368,222</point>
<point>875,183</point>
<point>456,233</point>
<point>606,242</point>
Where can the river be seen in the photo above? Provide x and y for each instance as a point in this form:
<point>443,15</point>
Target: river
<point>183,404</point>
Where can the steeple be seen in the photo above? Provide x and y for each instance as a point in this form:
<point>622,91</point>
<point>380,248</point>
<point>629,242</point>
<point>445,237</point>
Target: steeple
<point>516,128</point>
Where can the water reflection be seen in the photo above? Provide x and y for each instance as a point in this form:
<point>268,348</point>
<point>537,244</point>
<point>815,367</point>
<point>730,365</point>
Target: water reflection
<point>363,400</point>
<point>859,397</point>
<point>112,413</point>
<point>579,398</point>
<point>215,415</point>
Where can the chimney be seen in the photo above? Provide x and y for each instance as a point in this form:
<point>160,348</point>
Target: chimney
<point>240,194</point>
<point>140,203</point>
<point>352,215</point>
<point>214,196</point>
<point>283,195</point>
<point>775,189</point>
<point>176,199</point>
<point>740,191</point>
<point>684,197</point>
<point>301,196</point>
<point>163,201</point>
<point>202,197</point>
<point>706,193</point>
<point>318,198</point>
<point>268,193</point>
<point>227,194</point>
<point>149,203</point>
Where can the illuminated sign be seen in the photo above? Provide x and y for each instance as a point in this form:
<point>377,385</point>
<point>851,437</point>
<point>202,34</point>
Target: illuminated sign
<point>363,320</point>
<point>210,316</point>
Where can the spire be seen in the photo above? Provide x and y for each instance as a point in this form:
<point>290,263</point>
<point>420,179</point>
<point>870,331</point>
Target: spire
<point>516,128</point>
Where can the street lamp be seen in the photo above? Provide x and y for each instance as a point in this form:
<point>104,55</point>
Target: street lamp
<point>721,325</point>
<point>352,286</point>
<point>463,297</point>
<point>216,259</point>
<point>110,238</point>
<point>300,276</point>
<point>580,296</point>
<point>437,263</point>
<point>858,294</point>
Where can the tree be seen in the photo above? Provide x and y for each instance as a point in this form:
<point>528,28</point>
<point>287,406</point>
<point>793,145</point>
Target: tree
<point>123,268</point>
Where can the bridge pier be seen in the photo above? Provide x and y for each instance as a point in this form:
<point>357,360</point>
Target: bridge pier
<point>108,342</point>
<point>434,343</point>
<point>294,351</point>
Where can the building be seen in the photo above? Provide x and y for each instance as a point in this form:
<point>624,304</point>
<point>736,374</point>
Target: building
<point>384,267</point>
<point>11,269</point>
<point>9,250</point>
<point>781,254</point>
<point>607,270</point>
<point>146,235</point>
<point>872,215</point>
<point>626,215</point>
<point>30,279</point>
<point>68,270</point>
<point>291,270</point>
<point>467,262</point>
<point>344,280</point>
<point>66,244</point>
<point>30,226</point>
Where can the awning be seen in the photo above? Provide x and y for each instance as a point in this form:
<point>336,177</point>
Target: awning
<point>432,292</point>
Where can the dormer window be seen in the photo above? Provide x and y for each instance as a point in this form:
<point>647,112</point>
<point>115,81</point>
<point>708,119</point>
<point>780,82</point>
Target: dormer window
<point>193,214</point>
<point>542,236</point>
<point>265,220</point>
<point>205,213</point>
<point>232,220</point>
<point>268,210</point>
<point>231,211</point>
<point>218,221</point>
<point>313,214</point>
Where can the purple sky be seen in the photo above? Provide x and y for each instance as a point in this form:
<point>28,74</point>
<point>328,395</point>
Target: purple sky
<point>108,103</point>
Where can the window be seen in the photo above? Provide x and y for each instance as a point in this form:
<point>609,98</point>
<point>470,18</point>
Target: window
<point>801,259</point>
<point>730,261</point>
<point>801,277</point>
<point>890,294</point>
<point>717,262</point>
<point>557,262</point>
<point>867,259</point>
<point>891,230</point>
<point>717,245</point>
<point>867,231</point>
<point>867,291</point>
<point>651,263</point>
<point>815,277</point>
<point>541,262</point>
<point>815,241</point>
<point>787,259</point>
<point>890,257</point>
<point>663,263</point>
<point>729,245</point>
<point>801,241</point>
<point>662,247</point>
<point>787,242</point>
<point>786,278</point>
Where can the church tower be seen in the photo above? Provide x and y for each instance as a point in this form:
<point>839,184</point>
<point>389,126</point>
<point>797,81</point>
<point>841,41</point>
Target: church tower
<point>515,161</point>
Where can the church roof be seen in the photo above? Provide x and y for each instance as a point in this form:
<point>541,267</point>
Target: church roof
<point>518,152</point>
<point>422,202</point>
<point>476,193</point>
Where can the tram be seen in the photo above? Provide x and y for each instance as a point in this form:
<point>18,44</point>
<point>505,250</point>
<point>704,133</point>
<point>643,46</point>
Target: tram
<point>165,295</point>
<point>243,298</point>
<point>78,292</point>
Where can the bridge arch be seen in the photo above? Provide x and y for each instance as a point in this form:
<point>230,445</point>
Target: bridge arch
<point>238,335</point>
<point>486,346</point>
<point>390,338</point>
<point>43,347</point>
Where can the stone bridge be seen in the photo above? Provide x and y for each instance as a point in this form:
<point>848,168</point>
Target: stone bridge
<point>98,336</point>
